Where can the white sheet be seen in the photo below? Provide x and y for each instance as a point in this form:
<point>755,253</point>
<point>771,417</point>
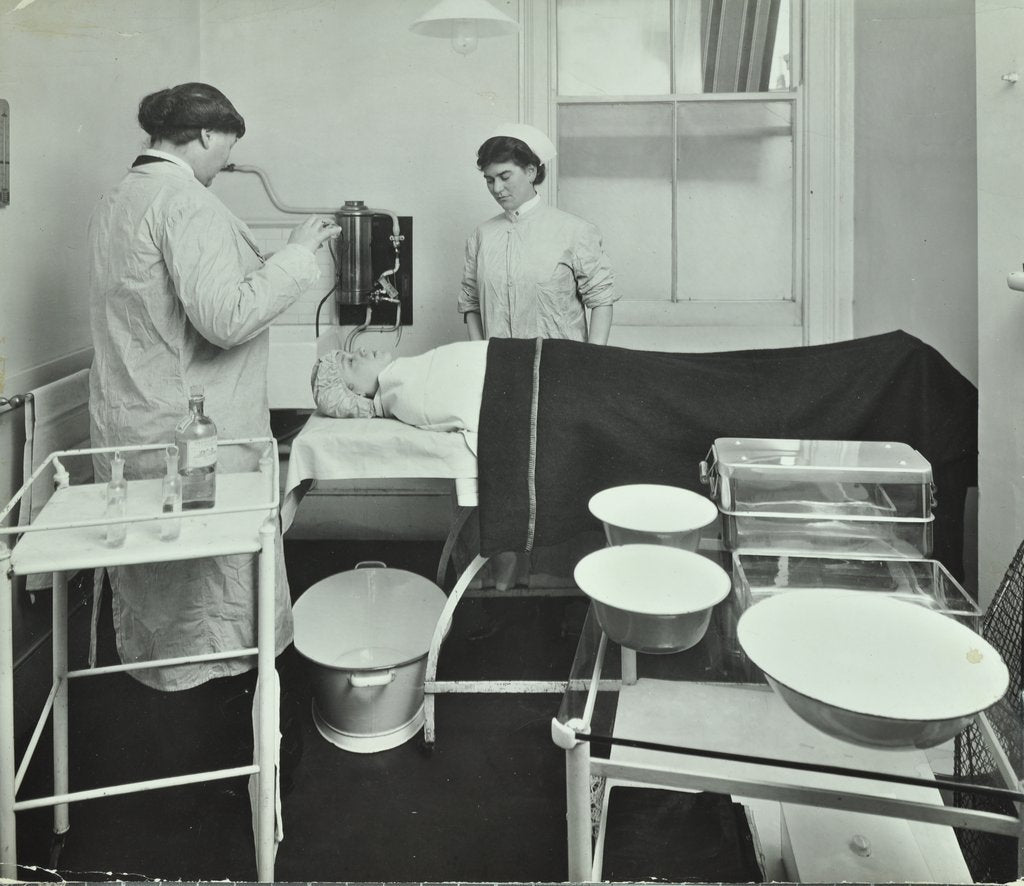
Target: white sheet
<point>371,448</point>
<point>56,418</point>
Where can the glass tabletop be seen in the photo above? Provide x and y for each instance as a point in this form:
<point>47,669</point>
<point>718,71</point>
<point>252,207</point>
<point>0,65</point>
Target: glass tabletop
<point>711,708</point>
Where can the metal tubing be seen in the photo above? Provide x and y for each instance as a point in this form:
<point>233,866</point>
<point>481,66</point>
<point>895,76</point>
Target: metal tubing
<point>806,795</point>
<point>595,682</point>
<point>61,783</point>
<point>495,686</point>
<point>1020,847</point>
<point>577,813</point>
<point>461,516</point>
<point>8,832</point>
<point>440,631</point>
<point>33,742</point>
<point>272,194</point>
<point>269,712</point>
<point>135,787</point>
<point>162,662</point>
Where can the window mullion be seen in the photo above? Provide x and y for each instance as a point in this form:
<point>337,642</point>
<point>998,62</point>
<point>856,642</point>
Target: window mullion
<point>674,294</point>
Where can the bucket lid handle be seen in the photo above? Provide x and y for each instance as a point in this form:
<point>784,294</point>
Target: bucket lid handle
<point>366,564</point>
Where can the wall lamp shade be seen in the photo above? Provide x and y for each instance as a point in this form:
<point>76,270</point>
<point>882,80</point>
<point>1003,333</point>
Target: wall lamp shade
<point>463,22</point>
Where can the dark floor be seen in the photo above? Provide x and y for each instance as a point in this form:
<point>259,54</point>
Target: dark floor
<point>487,804</point>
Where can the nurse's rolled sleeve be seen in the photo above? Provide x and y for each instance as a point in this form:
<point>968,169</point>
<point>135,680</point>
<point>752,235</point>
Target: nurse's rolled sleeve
<point>595,279</point>
<point>469,297</point>
<point>227,306</point>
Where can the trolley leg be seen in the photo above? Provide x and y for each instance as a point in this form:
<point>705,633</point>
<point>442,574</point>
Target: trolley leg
<point>628,666</point>
<point>1020,835</point>
<point>8,834</point>
<point>61,783</point>
<point>440,631</point>
<point>268,707</point>
<point>577,815</point>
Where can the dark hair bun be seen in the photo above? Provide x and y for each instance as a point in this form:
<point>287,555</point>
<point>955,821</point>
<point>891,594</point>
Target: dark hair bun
<point>156,110</point>
<point>178,114</point>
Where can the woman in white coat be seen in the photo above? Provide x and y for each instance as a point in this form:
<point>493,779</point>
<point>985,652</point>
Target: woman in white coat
<point>532,270</point>
<point>180,296</point>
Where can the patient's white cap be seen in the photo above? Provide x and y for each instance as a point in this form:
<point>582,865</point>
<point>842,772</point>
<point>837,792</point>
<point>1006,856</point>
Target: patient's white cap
<point>331,393</point>
<point>531,136</point>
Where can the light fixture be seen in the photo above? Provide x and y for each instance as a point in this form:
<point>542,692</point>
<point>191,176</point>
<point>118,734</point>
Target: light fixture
<point>463,22</point>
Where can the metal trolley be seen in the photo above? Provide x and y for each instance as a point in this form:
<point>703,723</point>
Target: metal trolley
<point>705,720</point>
<point>69,535</point>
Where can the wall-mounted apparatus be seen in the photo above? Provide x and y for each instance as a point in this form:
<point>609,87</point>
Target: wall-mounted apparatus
<point>373,263</point>
<point>374,260</point>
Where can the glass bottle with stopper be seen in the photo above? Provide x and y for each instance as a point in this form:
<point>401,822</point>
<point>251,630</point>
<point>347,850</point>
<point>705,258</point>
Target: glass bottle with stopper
<point>170,529</point>
<point>196,439</point>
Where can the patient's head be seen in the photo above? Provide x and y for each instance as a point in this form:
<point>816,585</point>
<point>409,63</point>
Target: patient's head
<point>344,382</point>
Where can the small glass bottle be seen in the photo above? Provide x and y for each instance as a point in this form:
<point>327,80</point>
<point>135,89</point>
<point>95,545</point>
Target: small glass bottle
<point>117,502</point>
<point>196,438</point>
<point>171,529</point>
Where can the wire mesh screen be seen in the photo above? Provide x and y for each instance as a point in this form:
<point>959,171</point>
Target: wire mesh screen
<point>991,858</point>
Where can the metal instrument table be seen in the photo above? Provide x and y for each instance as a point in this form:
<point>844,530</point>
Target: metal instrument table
<point>69,535</point>
<point>706,720</point>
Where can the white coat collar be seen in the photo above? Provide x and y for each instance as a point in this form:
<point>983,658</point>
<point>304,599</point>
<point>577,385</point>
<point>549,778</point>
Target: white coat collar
<point>515,215</point>
<point>163,155</point>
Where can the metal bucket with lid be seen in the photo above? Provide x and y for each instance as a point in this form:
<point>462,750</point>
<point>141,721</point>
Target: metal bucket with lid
<point>366,634</point>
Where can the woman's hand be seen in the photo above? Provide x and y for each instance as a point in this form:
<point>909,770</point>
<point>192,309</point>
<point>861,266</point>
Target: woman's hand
<point>313,231</point>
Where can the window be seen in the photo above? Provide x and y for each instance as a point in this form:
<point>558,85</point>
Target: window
<point>680,127</point>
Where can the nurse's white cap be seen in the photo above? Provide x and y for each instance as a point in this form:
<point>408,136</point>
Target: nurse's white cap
<point>531,136</point>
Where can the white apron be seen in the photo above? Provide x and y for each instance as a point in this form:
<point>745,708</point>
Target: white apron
<point>179,296</point>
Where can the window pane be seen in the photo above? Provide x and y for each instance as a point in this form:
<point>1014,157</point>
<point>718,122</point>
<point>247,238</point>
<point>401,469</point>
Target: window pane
<point>608,47</point>
<point>735,200</point>
<point>612,47</point>
<point>615,170</point>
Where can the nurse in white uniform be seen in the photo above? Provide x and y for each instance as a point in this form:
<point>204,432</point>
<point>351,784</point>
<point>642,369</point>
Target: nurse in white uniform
<point>181,296</point>
<point>532,271</point>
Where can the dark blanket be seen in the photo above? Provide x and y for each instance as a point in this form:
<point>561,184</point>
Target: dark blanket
<point>608,416</point>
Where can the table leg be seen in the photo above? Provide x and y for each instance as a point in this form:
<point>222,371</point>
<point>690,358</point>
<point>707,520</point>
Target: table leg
<point>577,815</point>
<point>8,833</point>
<point>61,781</point>
<point>266,795</point>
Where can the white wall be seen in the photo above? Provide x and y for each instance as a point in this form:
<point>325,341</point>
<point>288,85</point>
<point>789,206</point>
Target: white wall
<point>915,201</point>
<point>343,102</point>
<point>73,72</point>
<point>1000,50</point>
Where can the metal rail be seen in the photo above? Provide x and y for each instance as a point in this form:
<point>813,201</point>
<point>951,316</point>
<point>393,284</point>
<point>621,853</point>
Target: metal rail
<point>9,404</point>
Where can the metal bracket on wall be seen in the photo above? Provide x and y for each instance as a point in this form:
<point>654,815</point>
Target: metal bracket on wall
<point>9,404</point>
<point>5,153</point>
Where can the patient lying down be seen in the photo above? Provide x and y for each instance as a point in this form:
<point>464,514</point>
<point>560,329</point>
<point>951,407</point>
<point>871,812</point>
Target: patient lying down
<point>440,390</point>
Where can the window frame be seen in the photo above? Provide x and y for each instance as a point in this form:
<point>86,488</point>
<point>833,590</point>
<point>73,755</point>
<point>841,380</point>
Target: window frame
<point>822,46</point>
